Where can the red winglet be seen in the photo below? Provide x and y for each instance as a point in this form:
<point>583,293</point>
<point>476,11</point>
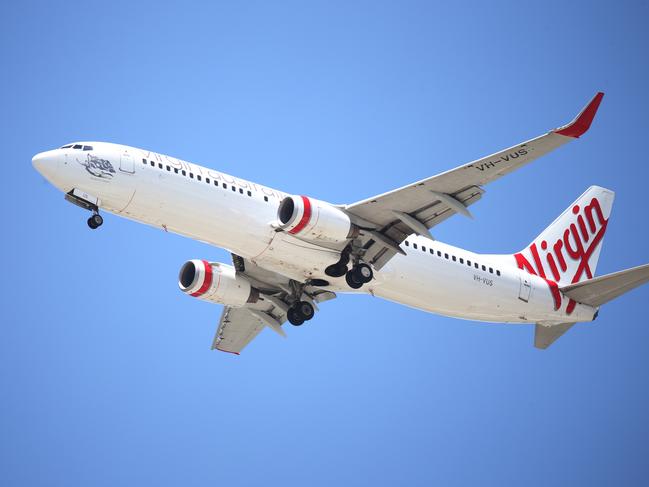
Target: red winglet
<point>581,123</point>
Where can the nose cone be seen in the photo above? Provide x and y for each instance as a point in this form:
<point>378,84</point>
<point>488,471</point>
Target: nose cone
<point>46,163</point>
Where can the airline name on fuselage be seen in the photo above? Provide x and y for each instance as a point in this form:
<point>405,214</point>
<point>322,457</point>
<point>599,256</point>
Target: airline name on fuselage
<point>211,173</point>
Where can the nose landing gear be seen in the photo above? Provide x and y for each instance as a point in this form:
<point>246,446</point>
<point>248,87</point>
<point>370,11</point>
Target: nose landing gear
<point>95,221</point>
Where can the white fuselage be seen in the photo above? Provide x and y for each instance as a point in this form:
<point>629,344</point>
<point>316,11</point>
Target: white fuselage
<point>239,216</point>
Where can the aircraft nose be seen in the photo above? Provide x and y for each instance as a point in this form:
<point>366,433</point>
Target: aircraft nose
<point>38,161</point>
<point>45,162</point>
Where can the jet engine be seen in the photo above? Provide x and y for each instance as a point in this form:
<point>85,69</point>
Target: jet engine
<point>216,283</point>
<point>314,220</point>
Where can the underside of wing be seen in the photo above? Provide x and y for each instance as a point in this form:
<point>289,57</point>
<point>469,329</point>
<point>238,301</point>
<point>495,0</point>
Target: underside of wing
<point>238,326</point>
<point>420,206</point>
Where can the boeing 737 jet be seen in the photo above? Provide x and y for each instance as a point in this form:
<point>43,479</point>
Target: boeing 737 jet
<point>290,253</point>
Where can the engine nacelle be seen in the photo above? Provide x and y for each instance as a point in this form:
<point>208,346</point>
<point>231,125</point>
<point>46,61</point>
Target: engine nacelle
<point>314,220</point>
<point>216,283</point>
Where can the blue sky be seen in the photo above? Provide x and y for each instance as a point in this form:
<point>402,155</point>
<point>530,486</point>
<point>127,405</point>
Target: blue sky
<point>105,368</point>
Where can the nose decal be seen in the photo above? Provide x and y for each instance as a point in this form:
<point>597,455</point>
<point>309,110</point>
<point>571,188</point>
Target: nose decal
<point>101,168</point>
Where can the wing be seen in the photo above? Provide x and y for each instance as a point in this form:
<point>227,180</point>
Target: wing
<point>239,326</point>
<point>390,217</point>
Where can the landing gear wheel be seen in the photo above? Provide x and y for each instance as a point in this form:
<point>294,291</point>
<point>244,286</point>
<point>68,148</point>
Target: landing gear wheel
<point>362,273</point>
<point>95,221</point>
<point>98,219</point>
<point>305,310</point>
<point>300,312</point>
<point>336,270</point>
<point>294,317</point>
<point>351,281</point>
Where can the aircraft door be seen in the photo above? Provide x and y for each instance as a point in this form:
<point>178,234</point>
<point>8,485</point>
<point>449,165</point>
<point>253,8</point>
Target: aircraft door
<point>126,163</point>
<point>525,289</point>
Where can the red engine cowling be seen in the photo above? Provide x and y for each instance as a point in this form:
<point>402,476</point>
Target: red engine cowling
<point>216,283</point>
<point>314,220</point>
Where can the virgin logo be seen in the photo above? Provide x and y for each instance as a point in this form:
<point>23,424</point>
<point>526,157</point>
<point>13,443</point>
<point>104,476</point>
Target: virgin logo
<point>567,259</point>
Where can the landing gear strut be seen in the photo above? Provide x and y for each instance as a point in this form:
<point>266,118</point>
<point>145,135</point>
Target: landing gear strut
<point>300,312</point>
<point>95,221</point>
<point>359,274</point>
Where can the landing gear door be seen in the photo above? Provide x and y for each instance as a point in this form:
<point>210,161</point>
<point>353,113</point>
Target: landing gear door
<point>126,163</point>
<point>525,289</point>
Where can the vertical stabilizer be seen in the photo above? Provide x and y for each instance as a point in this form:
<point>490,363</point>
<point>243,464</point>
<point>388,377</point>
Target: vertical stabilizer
<point>567,251</point>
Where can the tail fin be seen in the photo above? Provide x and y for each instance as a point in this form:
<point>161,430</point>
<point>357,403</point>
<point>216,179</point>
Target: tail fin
<point>568,250</point>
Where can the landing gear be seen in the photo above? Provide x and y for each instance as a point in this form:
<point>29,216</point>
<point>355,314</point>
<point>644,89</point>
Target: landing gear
<point>95,221</point>
<point>359,274</point>
<point>339,269</point>
<point>300,312</point>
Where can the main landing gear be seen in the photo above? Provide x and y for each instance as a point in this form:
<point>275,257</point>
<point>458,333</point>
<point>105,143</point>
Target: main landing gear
<point>355,277</point>
<point>300,312</point>
<point>358,275</point>
<point>95,221</point>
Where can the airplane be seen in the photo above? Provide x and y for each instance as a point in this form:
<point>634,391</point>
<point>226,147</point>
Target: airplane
<point>291,253</point>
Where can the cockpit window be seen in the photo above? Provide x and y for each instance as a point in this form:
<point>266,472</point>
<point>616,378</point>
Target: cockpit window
<point>78,147</point>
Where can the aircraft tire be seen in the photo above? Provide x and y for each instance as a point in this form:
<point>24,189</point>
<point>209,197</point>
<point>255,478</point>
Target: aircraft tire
<point>294,317</point>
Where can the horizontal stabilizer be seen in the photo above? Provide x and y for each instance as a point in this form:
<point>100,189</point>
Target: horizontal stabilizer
<point>544,336</point>
<point>600,290</point>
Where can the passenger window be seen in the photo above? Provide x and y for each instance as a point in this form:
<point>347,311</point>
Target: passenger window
<point>484,268</point>
<point>234,189</point>
<point>461,260</point>
<point>432,252</point>
<point>266,198</point>
<point>497,273</point>
<point>241,190</point>
<point>143,161</point>
<point>176,170</point>
<point>439,254</point>
<point>476,265</point>
<point>491,270</point>
<point>468,262</point>
<point>406,242</point>
<point>184,173</point>
<point>446,256</point>
<point>169,168</point>
<point>454,259</point>
<point>225,186</point>
<point>207,180</point>
<point>152,164</point>
<point>160,165</point>
<point>216,183</point>
<point>249,193</point>
<point>423,248</point>
<point>191,175</point>
<point>198,177</point>
<point>414,246</point>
